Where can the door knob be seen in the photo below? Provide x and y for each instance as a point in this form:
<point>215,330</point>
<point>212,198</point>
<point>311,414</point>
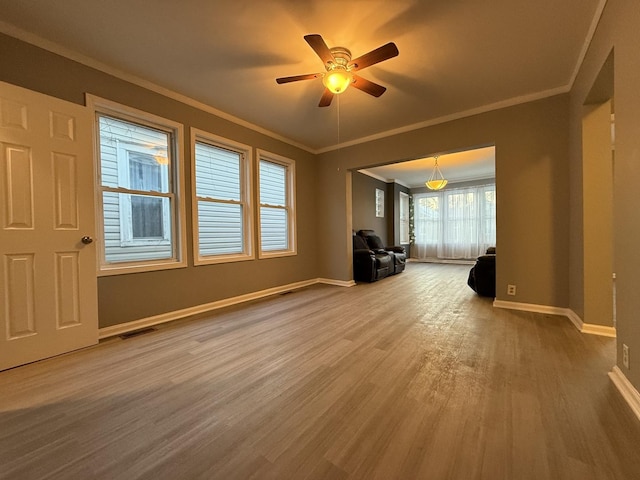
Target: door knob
<point>86,240</point>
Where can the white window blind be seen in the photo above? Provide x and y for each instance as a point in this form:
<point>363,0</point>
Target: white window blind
<point>274,221</point>
<point>219,200</point>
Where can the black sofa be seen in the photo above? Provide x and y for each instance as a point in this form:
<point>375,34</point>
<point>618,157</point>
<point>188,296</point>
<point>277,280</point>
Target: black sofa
<point>372,260</point>
<point>482,276</point>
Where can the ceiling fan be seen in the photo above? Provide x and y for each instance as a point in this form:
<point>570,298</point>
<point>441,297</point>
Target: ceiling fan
<point>340,68</point>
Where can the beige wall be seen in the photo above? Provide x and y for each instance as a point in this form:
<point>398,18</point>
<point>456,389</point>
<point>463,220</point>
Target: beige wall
<point>364,205</point>
<point>619,30</point>
<point>539,178</point>
<point>597,214</point>
<point>531,178</point>
<point>124,298</point>
<point>532,175</point>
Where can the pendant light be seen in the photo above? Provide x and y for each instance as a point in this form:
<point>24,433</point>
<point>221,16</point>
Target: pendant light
<point>436,180</point>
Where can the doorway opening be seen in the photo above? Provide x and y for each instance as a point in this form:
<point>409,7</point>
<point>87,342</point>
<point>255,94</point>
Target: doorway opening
<point>598,161</point>
<point>453,225</point>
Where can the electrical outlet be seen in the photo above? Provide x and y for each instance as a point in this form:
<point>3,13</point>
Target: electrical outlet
<point>625,355</point>
<point>511,289</point>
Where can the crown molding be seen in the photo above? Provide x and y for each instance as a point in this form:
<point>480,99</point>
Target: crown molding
<point>87,61</point>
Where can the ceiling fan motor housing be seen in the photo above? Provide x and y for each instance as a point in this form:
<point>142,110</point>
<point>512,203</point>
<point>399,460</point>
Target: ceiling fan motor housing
<point>341,55</point>
<point>338,76</point>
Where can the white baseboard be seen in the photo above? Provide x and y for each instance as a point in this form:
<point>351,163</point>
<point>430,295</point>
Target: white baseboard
<point>438,260</point>
<point>122,328</point>
<point>529,307</point>
<point>626,389</point>
<point>337,283</point>
<point>589,328</point>
<point>601,330</point>
<point>575,319</point>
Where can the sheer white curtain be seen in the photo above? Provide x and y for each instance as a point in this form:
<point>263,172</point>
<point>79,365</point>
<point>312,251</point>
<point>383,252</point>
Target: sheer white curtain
<point>455,223</point>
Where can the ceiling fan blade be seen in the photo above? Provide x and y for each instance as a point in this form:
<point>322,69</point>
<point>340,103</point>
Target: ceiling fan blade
<point>380,54</point>
<point>326,98</point>
<point>368,86</point>
<point>316,42</point>
<point>296,78</point>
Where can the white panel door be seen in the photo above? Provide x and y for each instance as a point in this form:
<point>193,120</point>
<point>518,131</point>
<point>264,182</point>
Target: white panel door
<point>48,283</point>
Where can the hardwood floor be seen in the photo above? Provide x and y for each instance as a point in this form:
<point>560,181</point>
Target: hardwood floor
<point>412,377</point>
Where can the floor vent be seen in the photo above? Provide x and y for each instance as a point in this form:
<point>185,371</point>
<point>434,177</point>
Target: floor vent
<point>136,333</point>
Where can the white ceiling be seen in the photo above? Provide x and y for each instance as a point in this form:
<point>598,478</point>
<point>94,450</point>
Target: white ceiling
<point>456,57</point>
<point>477,164</point>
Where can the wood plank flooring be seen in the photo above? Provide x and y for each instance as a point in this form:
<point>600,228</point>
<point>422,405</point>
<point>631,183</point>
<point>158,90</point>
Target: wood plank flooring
<point>412,377</point>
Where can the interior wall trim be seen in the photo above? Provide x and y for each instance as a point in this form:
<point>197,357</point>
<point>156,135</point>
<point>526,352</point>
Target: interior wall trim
<point>134,325</point>
<point>575,319</point>
<point>28,37</point>
<point>53,47</point>
<point>626,389</point>
<point>601,330</point>
<point>338,283</point>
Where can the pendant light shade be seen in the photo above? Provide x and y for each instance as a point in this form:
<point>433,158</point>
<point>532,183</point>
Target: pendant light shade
<point>436,180</point>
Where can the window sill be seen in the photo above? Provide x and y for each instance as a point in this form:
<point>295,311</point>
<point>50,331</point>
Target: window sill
<point>279,253</point>
<point>108,270</point>
<point>216,260</point>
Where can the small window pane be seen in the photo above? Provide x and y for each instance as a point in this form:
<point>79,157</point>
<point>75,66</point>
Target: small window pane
<point>379,203</point>
<point>274,229</point>
<point>122,141</point>
<point>404,218</point>
<point>145,173</point>
<point>220,228</point>
<point>146,217</point>
<point>116,249</point>
<point>273,184</point>
<point>217,173</point>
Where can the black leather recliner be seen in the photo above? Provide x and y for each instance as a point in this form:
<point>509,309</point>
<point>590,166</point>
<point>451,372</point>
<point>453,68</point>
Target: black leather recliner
<point>369,266</point>
<point>397,252</point>
<point>482,276</point>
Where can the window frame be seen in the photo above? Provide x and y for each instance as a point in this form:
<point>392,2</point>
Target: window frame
<point>175,130</point>
<point>380,206</point>
<point>441,203</point>
<point>290,207</point>
<point>246,201</point>
<point>403,215</point>
<point>126,234</point>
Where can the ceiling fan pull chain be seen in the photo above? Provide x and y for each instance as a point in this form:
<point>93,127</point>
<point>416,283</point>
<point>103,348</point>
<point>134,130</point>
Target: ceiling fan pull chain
<point>338,120</point>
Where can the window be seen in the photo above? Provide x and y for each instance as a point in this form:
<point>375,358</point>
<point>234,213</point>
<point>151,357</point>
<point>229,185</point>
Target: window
<point>455,223</point>
<point>222,201</point>
<point>276,187</point>
<point>404,218</point>
<point>138,190</point>
<point>144,219</point>
<point>379,203</point>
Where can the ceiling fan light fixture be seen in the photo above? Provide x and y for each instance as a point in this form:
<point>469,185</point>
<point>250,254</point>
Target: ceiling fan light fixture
<point>340,69</point>
<point>337,80</point>
<point>436,180</point>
